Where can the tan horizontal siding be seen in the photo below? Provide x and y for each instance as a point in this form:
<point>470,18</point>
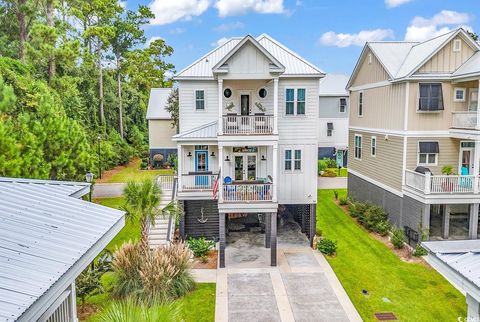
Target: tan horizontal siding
<point>449,153</point>
<point>386,167</point>
<point>370,73</point>
<point>160,134</point>
<point>383,107</point>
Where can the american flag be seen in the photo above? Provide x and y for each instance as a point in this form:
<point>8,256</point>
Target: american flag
<point>215,187</point>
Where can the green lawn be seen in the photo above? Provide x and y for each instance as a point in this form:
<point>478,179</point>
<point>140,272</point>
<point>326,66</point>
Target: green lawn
<point>416,291</point>
<point>132,172</point>
<point>131,230</point>
<point>343,171</point>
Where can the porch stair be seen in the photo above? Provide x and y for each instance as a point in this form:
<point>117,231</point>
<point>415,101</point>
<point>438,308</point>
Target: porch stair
<point>161,232</point>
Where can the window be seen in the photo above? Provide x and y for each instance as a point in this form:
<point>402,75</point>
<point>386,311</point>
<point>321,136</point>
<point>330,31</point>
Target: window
<point>459,94</point>
<point>290,101</point>
<point>227,93</point>
<point>288,159</point>
<point>295,99</point>
<point>329,129</point>
<point>298,159</point>
<point>428,153</point>
<point>472,105</point>
<point>373,151</point>
<point>360,104</point>
<point>343,105</point>
<point>358,146</point>
<point>200,100</point>
<point>369,58</point>
<point>431,97</point>
<point>457,45</point>
<point>262,93</point>
<point>301,101</point>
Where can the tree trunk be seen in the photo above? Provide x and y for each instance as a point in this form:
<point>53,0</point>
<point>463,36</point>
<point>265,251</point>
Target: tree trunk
<point>22,29</point>
<point>51,59</point>
<point>120,111</point>
<point>101,112</point>
<point>144,247</point>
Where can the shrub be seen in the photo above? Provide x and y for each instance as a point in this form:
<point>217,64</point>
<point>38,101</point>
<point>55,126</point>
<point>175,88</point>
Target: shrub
<point>329,173</point>
<point>343,200</point>
<point>327,246</point>
<point>172,159</point>
<point>200,246</point>
<point>322,166</point>
<point>371,216</point>
<point>419,251</point>
<point>335,193</point>
<point>126,263</point>
<point>382,227</point>
<point>357,209</point>
<point>398,238</point>
<point>331,163</point>
<point>132,310</point>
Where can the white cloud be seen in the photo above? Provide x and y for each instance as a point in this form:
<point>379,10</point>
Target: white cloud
<point>122,4</point>
<point>168,11</point>
<point>240,7</point>
<point>177,30</point>
<point>219,42</point>
<point>396,3</point>
<point>226,27</point>
<point>345,40</point>
<point>421,28</point>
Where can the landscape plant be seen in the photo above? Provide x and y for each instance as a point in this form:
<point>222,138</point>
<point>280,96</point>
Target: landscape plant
<point>398,238</point>
<point>200,246</point>
<point>327,246</point>
<point>343,200</point>
<point>134,310</point>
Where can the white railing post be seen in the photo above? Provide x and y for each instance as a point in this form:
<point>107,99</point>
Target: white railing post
<point>478,109</point>
<point>475,184</point>
<point>428,182</point>
<point>275,105</point>
<point>179,166</point>
<point>222,174</point>
<point>220,106</point>
<point>275,171</point>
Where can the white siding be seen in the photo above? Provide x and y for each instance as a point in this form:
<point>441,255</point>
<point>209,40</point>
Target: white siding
<point>248,63</point>
<point>298,187</point>
<point>189,117</point>
<point>339,136</point>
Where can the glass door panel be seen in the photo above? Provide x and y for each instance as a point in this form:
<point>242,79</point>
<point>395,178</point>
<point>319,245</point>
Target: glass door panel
<point>239,167</point>
<point>251,167</point>
<point>201,166</point>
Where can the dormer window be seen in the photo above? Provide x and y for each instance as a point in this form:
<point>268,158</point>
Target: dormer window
<point>457,45</point>
<point>370,58</point>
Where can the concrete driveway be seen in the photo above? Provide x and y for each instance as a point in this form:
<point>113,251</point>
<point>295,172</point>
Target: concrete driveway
<point>302,287</point>
<point>108,190</point>
<point>332,183</point>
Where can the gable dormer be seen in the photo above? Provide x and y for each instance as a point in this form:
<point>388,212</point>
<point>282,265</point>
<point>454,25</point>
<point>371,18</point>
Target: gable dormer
<point>369,69</point>
<point>449,57</point>
<point>248,60</point>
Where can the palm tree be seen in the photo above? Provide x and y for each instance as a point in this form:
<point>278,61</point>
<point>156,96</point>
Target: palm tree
<point>142,201</point>
<point>132,310</point>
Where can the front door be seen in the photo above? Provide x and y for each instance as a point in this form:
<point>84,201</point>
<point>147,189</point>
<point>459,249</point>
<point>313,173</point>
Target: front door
<point>245,167</point>
<point>467,150</point>
<point>245,104</point>
<point>340,158</point>
<point>201,165</point>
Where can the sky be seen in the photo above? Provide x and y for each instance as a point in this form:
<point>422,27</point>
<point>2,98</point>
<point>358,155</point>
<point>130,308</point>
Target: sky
<point>328,33</point>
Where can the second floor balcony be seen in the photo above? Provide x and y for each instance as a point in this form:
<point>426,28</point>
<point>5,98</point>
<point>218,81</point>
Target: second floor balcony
<point>428,184</point>
<point>465,120</point>
<point>257,124</point>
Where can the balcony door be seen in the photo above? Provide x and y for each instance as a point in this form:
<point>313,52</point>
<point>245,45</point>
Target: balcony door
<point>245,104</point>
<point>245,167</point>
<point>467,151</point>
<point>201,165</point>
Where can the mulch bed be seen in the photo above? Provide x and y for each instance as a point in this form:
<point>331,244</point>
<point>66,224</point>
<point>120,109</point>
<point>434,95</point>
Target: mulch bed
<point>405,253</point>
<point>211,262</point>
<point>84,311</point>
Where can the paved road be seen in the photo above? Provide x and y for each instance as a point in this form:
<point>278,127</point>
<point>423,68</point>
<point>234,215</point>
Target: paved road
<point>108,190</point>
<point>332,183</point>
<point>303,287</point>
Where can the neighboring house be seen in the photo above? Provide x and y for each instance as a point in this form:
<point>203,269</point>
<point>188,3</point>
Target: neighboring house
<point>248,115</point>
<point>160,129</point>
<point>415,110</point>
<point>333,114</point>
<point>49,235</point>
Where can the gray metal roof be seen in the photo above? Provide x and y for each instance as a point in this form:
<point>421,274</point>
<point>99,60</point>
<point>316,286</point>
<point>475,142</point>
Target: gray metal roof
<point>293,63</point>
<point>462,256</point>
<point>206,131</point>
<point>333,85</point>
<point>470,68</point>
<point>47,237</point>
<point>156,104</point>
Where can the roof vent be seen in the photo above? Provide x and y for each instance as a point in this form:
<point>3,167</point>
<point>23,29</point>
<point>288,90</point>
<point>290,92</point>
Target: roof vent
<point>206,60</point>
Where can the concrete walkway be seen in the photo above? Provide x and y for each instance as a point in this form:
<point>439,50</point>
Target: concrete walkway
<point>332,183</point>
<point>302,287</point>
<point>108,190</point>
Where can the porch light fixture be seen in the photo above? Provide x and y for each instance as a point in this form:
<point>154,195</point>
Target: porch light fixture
<point>189,154</point>
<point>227,159</point>
<point>213,154</point>
<point>89,179</point>
<point>263,158</point>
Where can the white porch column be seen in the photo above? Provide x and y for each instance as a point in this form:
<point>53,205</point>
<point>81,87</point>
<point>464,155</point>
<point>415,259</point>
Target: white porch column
<point>222,173</point>
<point>275,105</point>
<point>179,166</point>
<point>446,222</point>
<point>473,224</point>
<point>473,310</point>
<point>476,166</point>
<point>478,107</point>
<point>73,303</point>
<point>220,106</point>
<point>275,171</point>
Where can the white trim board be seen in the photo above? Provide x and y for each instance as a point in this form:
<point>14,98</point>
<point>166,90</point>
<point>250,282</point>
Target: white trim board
<point>377,183</point>
<point>370,86</point>
<point>402,133</point>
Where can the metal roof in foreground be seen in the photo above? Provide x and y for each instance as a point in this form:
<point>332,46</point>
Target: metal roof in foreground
<point>47,237</point>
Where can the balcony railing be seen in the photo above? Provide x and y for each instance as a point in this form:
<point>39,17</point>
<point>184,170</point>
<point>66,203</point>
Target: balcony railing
<point>248,124</point>
<point>442,184</point>
<point>166,181</point>
<point>464,120</point>
<point>247,192</point>
<point>197,182</point>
